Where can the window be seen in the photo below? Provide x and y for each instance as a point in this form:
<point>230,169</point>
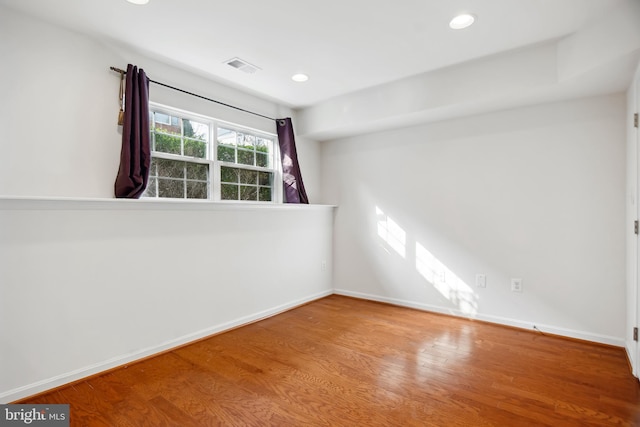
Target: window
<point>195,157</point>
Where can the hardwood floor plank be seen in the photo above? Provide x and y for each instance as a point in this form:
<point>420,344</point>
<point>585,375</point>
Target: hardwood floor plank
<point>340,361</point>
<point>86,407</point>
<point>307,395</point>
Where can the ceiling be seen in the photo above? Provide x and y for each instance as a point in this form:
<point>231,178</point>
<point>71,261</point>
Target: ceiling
<point>343,45</point>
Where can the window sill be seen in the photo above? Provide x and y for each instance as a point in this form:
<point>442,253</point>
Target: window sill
<point>78,203</point>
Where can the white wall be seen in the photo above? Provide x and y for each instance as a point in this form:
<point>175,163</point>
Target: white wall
<point>91,284</point>
<point>60,105</point>
<point>58,134</point>
<point>88,282</point>
<point>536,193</point>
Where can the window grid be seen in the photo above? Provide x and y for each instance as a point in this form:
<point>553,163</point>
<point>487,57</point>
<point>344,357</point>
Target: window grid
<point>245,183</point>
<point>228,162</point>
<point>193,186</point>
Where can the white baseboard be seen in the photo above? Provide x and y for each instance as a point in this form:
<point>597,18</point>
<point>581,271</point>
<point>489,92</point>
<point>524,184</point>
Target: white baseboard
<point>631,357</point>
<point>87,371</point>
<point>569,333</point>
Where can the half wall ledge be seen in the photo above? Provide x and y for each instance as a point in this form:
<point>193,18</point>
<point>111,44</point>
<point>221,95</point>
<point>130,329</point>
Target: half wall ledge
<point>79,203</point>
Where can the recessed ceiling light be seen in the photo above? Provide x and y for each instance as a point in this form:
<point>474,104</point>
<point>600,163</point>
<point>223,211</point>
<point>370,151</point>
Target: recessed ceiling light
<point>300,78</point>
<point>462,21</point>
<point>138,1</point>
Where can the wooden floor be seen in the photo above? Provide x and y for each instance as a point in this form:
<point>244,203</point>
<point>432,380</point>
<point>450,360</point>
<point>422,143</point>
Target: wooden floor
<point>346,362</point>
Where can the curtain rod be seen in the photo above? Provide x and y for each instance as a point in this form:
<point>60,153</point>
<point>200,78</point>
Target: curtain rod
<point>118,70</point>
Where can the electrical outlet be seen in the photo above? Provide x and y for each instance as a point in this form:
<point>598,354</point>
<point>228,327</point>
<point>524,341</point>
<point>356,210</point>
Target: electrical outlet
<point>481,280</point>
<point>323,265</point>
<point>516,285</point>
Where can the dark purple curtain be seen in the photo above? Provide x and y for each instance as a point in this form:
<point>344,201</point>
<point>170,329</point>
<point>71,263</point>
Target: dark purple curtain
<point>293,187</point>
<point>135,155</point>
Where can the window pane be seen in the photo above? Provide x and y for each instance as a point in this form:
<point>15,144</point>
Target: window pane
<point>195,130</point>
<point>162,118</point>
<point>265,194</point>
<point>246,141</point>
<point>170,188</point>
<point>263,145</point>
<point>228,174</point>
<point>170,125</point>
<point>167,143</point>
<point>153,168</point>
<point>226,154</point>
<point>248,193</point>
<point>248,177</point>
<point>197,190</point>
<point>246,157</point>
<point>226,137</point>
<point>265,178</point>
<point>195,148</point>
<point>151,188</point>
<point>262,160</point>
<point>170,168</point>
<point>229,192</point>
<point>197,171</point>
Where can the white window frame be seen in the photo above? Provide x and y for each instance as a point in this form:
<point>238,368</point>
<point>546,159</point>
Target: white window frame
<point>214,184</point>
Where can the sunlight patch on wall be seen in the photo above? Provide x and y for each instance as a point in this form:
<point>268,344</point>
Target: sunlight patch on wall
<point>445,281</point>
<point>391,233</point>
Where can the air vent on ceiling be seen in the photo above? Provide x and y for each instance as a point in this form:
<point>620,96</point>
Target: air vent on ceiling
<point>242,65</point>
